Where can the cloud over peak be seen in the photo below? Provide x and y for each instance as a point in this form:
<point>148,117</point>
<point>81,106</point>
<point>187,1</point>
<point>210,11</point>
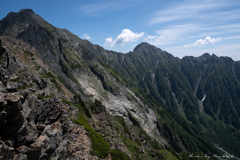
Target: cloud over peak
<point>125,37</point>
<point>85,36</point>
<point>108,41</point>
<point>202,42</point>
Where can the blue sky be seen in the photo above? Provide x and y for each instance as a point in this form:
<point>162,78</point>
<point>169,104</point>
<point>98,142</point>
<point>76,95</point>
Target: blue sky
<point>181,27</point>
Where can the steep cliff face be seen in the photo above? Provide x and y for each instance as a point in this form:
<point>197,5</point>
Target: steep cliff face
<point>74,100</point>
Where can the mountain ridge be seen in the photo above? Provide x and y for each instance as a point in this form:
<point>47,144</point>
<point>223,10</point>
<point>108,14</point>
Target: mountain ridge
<point>24,13</point>
<point>148,87</point>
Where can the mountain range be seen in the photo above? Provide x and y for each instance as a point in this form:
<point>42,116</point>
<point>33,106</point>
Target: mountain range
<point>62,97</point>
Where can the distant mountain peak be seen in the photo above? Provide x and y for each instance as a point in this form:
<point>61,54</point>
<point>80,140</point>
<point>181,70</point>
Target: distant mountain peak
<point>142,45</point>
<point>204,57</point>
<point>14,24</point>
<point>22,13</point>
<point>26,11</point>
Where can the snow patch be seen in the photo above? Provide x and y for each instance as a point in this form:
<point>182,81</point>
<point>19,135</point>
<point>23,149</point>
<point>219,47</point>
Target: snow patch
<point>203,98</point>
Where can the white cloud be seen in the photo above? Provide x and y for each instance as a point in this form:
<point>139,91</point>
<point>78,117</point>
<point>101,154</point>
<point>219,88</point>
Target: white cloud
<point>108,41</point>
<point>189,20</point>
<point>172,34</point>
<point>85,36</point>
<point>97,9</point>
<point>205,10</point>
<point>125,37</point>
<point>149,38</point>
<point>202,42</point>
<point>232,50</point>
<point>155,40</point>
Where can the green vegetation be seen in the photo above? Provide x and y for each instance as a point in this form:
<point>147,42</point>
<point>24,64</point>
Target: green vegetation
<point>21,71</point>
<point>15,80</point>
<point>176,87</point>
<point>130,96</point>
<point>112,86</point>
<point>27,53</point>
<point>100,147</point>
<point>131,145</point>
<point>49,96</point>
<point>134,120</point>
<point>74,65</point>
<point>113,73</point>
<point>69,74</point>
<point>63,40</point>
<point>37,67</point>
<point>123,124</point>
<point>53,79</point>
<point>61,78</point>
<point>118,155</point>
<point>22,87</point>
<point>105,95</point>
<point>39,96</point>
<point>149,140</point>
<point>66,101</point>
<point>48,27</point>
<point>81,106</point>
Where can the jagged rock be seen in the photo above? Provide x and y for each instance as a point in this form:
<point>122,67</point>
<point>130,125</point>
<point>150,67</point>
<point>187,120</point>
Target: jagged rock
<point>26,153</point>
<point>1,100</point>
<point>2,48</point>
<point>6,152</point>
<point>10,142</point>
<point>12,114</point>
<point>41,83</point>
<point>28,132</point>
<point>79,144</point>
<point>2,87</point>
<point>49,141</point>
<point>51,111</point>
<point>12,87</point>
<point>97,107</point>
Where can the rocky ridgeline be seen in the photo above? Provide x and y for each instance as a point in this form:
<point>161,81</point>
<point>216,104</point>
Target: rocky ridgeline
<point>31,128</point>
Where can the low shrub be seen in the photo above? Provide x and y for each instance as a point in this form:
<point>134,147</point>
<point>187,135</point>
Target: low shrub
<point>81,105</point>
<point>118,155</point>
<point>39,96</point>
<point>66,101</point>
<point>100,147</point>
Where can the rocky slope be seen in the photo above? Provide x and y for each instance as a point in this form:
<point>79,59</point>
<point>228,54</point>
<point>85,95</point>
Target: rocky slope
<point>38,122</point>
<point>74,100</point>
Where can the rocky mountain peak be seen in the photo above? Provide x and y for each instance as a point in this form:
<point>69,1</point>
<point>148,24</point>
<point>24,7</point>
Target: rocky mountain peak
<point>204,57</point>
<point>16,23</point>
<point>141,46</point>
<point>23,13</point>
<point>26,11</point>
